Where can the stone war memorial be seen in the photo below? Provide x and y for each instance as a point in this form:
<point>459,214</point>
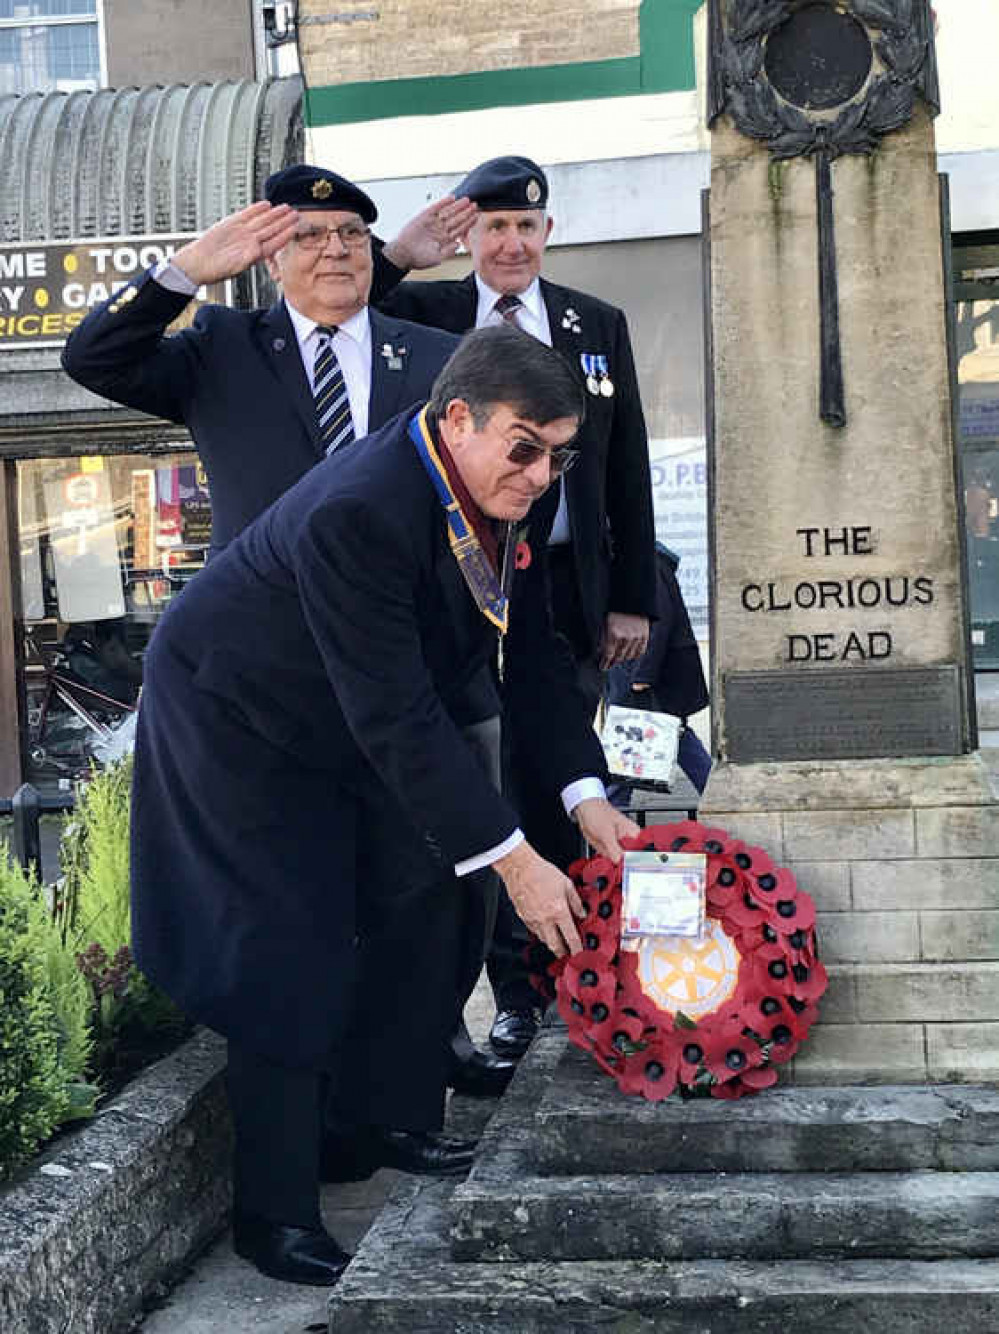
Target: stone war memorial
<point>862,1190</point>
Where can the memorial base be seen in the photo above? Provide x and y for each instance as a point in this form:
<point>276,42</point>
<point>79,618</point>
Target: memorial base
<point>902,859</point>
<point>835,1209</point>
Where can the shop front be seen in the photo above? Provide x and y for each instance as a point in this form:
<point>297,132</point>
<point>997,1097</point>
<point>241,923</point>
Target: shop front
<point>105,513</point>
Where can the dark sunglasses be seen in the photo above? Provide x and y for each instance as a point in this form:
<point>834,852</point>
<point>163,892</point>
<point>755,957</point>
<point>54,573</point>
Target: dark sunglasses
<point>524,452</point>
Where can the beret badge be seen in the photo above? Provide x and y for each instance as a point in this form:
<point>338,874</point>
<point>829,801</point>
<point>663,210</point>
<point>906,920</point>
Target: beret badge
<point>321,189</point>
<point>533,191</point>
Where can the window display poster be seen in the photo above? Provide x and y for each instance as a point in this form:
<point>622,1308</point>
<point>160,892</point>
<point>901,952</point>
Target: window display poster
<point>680,498</point>
<point>84,546</point>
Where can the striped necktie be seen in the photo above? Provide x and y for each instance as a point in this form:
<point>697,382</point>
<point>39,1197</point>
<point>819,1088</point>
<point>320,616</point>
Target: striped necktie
<point>507,307</point>
<point>336,427</point>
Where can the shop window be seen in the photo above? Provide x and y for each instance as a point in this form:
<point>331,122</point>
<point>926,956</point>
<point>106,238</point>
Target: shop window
<point>105,544</point>
<point>977,325</point>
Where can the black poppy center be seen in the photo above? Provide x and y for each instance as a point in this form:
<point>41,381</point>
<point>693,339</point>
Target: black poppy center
<point>735,1059</point>
<point>693,1054</point>
<point>770,1005</point>
<point>605,910</point>
<point>588,978</point>
<point>654,1071</point>
<point>600,1012</point>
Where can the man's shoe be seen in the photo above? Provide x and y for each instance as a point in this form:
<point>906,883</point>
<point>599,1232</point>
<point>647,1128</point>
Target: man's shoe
<point>421,1152</point>
<point>513,1031</point>
<point>481,1075</point>
<point>293,1254</point>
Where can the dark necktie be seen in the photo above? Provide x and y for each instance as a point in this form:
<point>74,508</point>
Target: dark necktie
<point>336,426</point>
<point>507,306</point>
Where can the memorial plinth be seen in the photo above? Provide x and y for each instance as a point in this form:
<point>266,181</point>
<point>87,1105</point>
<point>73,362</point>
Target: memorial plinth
<point>842,691</point>
<point>842,1208</point>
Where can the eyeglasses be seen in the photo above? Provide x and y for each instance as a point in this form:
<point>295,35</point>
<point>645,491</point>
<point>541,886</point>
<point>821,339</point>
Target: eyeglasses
<point>351,235</point>
<point>525,452</point>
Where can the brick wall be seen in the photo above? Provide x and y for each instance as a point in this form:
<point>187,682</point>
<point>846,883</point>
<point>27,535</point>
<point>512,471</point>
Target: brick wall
<point>403,39</point>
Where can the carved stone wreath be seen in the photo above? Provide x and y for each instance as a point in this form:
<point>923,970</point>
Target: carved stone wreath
<point>739,83</point>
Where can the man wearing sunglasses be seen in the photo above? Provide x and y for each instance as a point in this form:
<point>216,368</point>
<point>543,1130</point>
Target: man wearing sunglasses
<point>306,807</point>
<point>602,544</point>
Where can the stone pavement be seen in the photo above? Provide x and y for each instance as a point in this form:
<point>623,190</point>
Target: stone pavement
<point>223,1293</point>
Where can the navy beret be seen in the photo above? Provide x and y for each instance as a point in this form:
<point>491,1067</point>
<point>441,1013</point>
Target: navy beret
<point>505,182</point>
<point>303,186</point>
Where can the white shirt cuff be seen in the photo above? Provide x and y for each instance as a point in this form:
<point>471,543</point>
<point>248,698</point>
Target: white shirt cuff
<point>583,789</point>
<point>483,859</point>
<point>168,275</point>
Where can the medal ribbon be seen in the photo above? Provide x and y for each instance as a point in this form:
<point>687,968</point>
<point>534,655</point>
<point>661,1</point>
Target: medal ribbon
<point>476,568</point>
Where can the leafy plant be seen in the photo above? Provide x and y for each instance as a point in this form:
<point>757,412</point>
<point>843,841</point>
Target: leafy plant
<point>44,1006</point>
<point>132,1019</point>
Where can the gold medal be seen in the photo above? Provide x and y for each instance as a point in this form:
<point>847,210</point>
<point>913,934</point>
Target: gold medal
<point>607,387</point>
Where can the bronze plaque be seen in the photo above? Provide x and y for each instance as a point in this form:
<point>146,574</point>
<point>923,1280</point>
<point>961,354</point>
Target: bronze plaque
<point>843,715</point>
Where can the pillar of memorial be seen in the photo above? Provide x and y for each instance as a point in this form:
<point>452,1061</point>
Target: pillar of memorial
<point>843,684</point>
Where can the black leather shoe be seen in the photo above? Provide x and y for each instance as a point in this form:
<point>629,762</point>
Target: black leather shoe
<point>513,1031</point>
<point>421,1152</point>
<point>294,1254</point>
<point>481,1075</point>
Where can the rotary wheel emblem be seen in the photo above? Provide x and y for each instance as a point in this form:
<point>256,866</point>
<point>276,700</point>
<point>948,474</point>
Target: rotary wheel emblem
<point>695,977</point>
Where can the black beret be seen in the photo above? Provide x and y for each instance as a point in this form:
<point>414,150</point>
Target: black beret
<point>505,182</point>
<point>303,186</point>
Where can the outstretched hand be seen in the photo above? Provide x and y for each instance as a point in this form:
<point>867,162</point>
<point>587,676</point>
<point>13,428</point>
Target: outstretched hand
<point>543,897</point>
<point>433,235</point>
<point>235,243</point>
<point>603,826</point>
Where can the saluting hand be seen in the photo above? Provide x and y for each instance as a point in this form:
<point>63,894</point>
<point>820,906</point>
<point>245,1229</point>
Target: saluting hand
<point>433,235</point>
<point>544,899</point>
<point>234,243</point>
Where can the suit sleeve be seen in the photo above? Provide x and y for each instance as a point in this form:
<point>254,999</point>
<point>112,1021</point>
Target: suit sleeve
<point>629,491</point>
<point>121,351</point>
<point>552,729</point>
<point>359,580</point>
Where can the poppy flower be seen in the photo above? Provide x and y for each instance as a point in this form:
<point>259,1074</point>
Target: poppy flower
<point>728,1052</point>
<point>521,556</point>
<point>651,1073</point>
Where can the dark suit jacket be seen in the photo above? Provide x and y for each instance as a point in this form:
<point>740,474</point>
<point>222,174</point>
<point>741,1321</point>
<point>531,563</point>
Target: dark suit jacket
<point>235,379</point>
<point>671,664</point>
<point>609,489</point>
<point>315,670</point>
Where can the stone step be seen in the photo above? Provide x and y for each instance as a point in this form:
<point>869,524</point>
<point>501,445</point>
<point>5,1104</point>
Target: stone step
<point>404,1281</point>
<point>583,1125</point>
<point>756,1216</point>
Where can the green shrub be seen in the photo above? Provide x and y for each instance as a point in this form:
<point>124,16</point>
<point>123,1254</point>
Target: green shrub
<point>44,1043</point>
<point>133,1020</point>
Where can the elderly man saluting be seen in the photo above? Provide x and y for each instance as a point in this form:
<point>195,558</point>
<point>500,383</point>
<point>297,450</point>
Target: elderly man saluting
<point>265,394</point>
<point>306,806</point>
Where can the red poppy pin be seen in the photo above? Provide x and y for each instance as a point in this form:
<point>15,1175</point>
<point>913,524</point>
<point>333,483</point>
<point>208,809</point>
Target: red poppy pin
<point>521,556</point>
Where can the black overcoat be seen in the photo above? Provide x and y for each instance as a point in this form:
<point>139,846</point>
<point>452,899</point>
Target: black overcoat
<point>235,379</point>
<point>609,489</point>
<point>313,673</point>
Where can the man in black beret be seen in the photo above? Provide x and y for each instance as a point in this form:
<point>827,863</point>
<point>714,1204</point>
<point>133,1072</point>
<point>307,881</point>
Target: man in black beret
<point>602,547</point>
<point>245,383</point>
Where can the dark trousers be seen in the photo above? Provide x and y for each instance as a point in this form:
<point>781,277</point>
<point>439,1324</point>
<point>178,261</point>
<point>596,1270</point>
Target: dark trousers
<point>543,819</point>
<point>390,1067</point>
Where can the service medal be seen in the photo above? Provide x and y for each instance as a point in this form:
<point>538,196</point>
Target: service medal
<point>593,384</point>
<point>607,387</point>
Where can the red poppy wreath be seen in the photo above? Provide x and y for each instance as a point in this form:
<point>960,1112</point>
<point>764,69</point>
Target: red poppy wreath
<point>712,1016</point>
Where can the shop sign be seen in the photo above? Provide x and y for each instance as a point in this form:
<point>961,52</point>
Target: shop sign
<point>46,288</point>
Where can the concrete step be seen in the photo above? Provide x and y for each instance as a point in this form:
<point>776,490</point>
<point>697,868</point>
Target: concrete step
<point>404,1281</point>
<point>583,1126</point>
<point>756,1216</point>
